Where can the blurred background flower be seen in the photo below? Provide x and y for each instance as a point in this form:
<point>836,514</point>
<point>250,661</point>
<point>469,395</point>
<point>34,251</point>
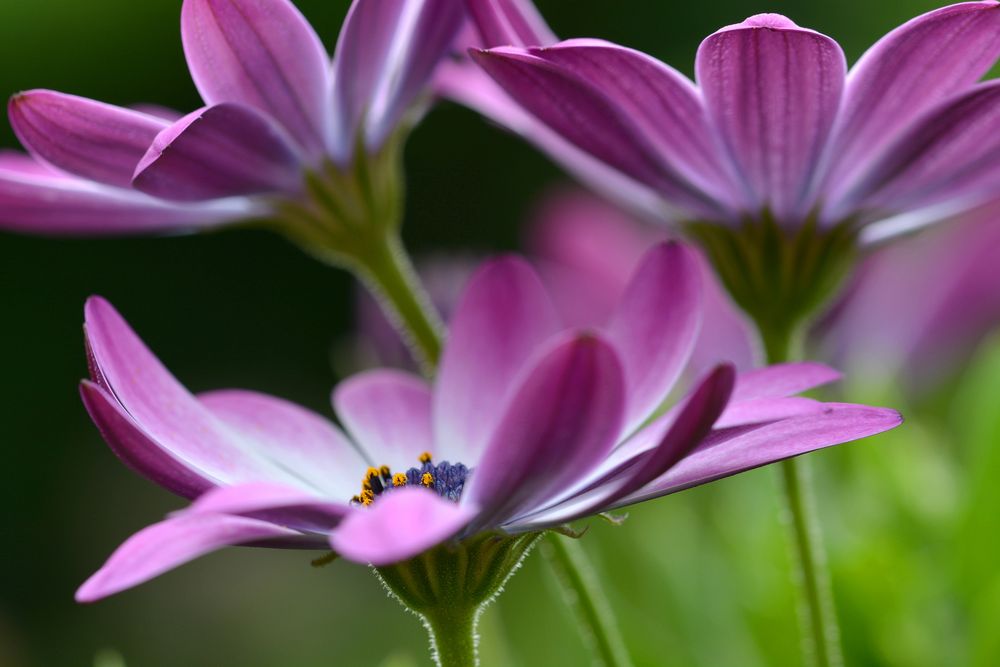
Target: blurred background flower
<point>913,535</point>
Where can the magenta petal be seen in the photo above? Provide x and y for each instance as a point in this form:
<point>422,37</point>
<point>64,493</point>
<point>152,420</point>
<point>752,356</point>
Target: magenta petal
<point>400,525</point>
<point>40,203</point>
<point>561,422</point>
<point>169,544</point>
<point>915,66</point>
<point>220,151</point>
<point>509,23</point>
<point>283,505</point>
<point>91,139</point>
<point>127,440</point>
<point>655,326</point>
<point>388,413</point>
<point>781,380</point>
<point>951,153</point>
<point>263,54</point>
<point>763,410</point>
<point>583,114</point>
<point>730,452</point>
<point>772,89</point>
<point>662,101</point>
<point>502,318</point>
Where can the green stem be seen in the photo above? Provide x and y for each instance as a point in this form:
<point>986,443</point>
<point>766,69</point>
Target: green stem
<point>584,594</point>
<point>390,276</point>
<point>453,636</point>
<point>818,617</point>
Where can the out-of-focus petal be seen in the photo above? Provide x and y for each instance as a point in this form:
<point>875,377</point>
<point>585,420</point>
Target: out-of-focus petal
<point>772,89</point>
<point>91,139</point>
<point>731,451</point>
<point>169,544</point>
<point>400,525</point>
<point>219,151</point>
<point>263,54</point>
<point>127,440</point>
<point>39,201</point>
<point>560,423</point>
<point>655,327</point>
<point>781,380</point>
<point>509,23</point>
<point>585,116</point>
<point>951,153</point>
<point>388,413</point>
<point>905,73</point>
<point>763,410</point>
<point>501,320</point>
<point>283,505</point>
<point>232,437</point>
<point>662,101</point>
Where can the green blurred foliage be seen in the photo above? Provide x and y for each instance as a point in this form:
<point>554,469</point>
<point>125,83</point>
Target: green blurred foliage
<point>696,579</point>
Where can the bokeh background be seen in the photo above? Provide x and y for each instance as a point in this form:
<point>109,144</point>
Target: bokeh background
<point>701,578</point>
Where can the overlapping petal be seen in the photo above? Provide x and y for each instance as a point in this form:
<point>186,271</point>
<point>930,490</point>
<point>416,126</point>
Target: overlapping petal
<point>262,54</point>
<point>509,23</point>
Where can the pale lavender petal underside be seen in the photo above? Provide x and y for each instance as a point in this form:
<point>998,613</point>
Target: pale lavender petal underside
<point>169,544</point>
<point>772,89</point>
<point>263,54</point>
<point>90,139</point>
<point>780,380</point>
<point>509,23</point>
<point>224,150</point>
<point>284,505</point>
<point>502,318</point>
<point>400,525</point>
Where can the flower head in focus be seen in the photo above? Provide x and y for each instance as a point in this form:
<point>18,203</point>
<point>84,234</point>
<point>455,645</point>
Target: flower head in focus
<point>283,133</point>
<point>527,426</point>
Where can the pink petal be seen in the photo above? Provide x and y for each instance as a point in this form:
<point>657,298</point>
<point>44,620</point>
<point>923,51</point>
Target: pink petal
<point>509,23</point>
<point>91,139</point>
<point>284,505</point>
<point>763,410</point>
<point>781,380</point>
<point>731,452</point>
<point>400,525</point>
<point>263,54</point>
<point>169,544</point>
<point>221,151</point>
<point>502,318</point>
<point>772,89</point>
<point>655,327</point>
<point>917,65</point>
<point>388,413</point>
<point>561,422</point>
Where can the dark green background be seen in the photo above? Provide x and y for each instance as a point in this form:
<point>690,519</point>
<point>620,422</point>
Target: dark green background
<point>697,579</point>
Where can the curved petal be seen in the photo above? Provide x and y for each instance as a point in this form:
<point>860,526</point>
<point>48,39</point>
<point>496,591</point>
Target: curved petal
<point>400,525</point>
<point>283,505</point>
<point>127,440</point>
<point>509,23</point>
<point>169,544</point>
<point>920,63</point>
<point>388,413</point>
<point>91,139</point>
<point>263,54</point>
<point>562,422</point>
<point>290,436</point>
<point>655,327</point>
<point>584,115</point>
<point>952,153</point>
<point>503,317</point>
<point>732,451</point>
<point>662,101</point>
<point>781,380</point>
<point>233,437</point>
<point>36,202</point>
<point>219,151</point>
<point>772,89</point>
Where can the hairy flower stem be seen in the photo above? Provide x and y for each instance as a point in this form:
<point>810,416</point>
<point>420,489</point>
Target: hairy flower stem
<point>453,635</point>
<point>584,594</point>
<point>821,640</point>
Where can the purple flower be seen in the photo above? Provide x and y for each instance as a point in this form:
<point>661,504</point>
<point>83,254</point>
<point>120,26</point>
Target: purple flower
<point>774,126</point>
<point>530,425</point>
<point>278,113</point>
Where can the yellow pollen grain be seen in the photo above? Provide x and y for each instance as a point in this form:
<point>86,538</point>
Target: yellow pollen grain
<point>427,479</point>
<point>425,457</point>
<point>399,479</point>
<point>367,498</point>
<point>384,471</point>
<point>366,484</point>
<point>372,472</point>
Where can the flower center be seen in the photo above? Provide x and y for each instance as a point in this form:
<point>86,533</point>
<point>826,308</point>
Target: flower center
<point>445,479</point>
